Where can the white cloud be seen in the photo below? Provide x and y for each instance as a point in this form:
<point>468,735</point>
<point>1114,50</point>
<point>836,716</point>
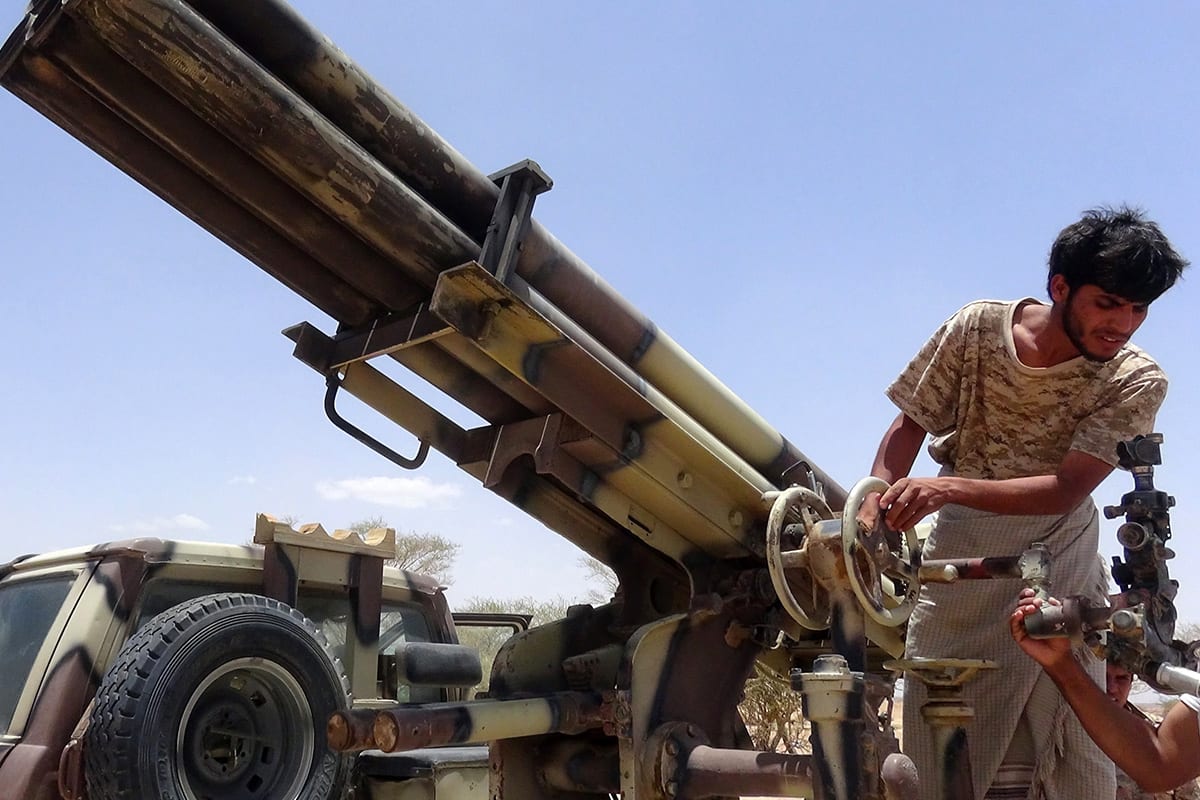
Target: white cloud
<point>398,492</point>
<point>243,480</point>
<point>157,525</point>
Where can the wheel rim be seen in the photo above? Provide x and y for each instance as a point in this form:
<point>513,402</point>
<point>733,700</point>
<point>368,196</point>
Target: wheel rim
<point>868,562</point>
<point>815,617</point>
<point>246,733</point>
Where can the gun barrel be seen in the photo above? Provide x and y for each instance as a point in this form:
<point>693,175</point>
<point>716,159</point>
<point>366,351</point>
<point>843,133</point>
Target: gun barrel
<point>304,59</point>
<point>1178,678</point>
<point>311,169</point>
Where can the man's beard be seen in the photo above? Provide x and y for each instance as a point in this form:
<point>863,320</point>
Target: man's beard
<point>1074,331</point>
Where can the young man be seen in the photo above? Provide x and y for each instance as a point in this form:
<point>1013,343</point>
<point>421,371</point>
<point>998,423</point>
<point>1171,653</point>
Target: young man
<point>1157,758</point>
<point>1026,403</point>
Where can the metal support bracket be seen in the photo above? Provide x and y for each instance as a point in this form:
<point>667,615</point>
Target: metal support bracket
<point>381,337</point>
<point>542,438</point>
<point>329,355</point>
<point>519,185</point>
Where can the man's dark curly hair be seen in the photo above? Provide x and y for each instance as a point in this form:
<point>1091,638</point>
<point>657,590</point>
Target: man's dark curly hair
<point>1119,250</point>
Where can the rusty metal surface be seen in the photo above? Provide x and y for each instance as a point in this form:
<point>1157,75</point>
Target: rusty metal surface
<point>480,721</point>
<point>227,89</point>
<point>948,716</point>
<point>646,451</point>
<point>66,97</point>
<point>341,144</point>
<point>595,422</point>
<point>948,570</point>
<point>181,139</point>
<point>900,779</point>
<point>717,772</point>
<point>352,731</point>
<point>305,60</point>
<point>580,765</point>
<point>71,780</point>
<point>682,669</point>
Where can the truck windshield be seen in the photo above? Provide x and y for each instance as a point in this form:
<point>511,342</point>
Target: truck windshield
<point>27,610</point>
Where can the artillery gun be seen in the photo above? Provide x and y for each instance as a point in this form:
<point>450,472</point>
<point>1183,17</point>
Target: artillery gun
<point>730,545</point>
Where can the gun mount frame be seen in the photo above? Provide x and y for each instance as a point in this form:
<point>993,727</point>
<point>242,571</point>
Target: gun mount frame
<point>595,422</point>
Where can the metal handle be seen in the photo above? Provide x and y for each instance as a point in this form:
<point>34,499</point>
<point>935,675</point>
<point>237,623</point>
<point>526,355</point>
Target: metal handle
<point>333,384</point>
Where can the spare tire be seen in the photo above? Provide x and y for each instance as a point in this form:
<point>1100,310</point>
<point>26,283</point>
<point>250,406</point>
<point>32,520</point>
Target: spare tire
<point>223,697</point>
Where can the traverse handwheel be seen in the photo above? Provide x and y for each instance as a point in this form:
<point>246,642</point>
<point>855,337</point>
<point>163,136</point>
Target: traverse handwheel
<point>878,555</point>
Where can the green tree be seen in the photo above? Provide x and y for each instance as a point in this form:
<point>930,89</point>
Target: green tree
<point>488,640</point>
<point>423,553</point>
<point>1187,631</point>
<point>602,581</point>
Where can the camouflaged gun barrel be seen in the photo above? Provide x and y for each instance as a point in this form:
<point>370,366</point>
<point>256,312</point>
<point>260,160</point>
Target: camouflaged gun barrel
<point>304,58</point>
<point>257,127</point>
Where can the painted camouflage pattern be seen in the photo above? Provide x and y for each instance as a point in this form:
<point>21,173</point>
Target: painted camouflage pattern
<point>105,602</point>
<point>966,384</point>
<point>594,421</point>
<point>993,417</point>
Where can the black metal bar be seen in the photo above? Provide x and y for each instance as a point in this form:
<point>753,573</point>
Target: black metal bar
<point>279,580</point>
<point>333,384</point>
<point>519,185</point>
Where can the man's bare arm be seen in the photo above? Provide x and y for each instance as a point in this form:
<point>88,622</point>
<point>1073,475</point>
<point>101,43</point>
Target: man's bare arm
<point>1157,760</point>
<point>898,448</point>
<point>911,499</point>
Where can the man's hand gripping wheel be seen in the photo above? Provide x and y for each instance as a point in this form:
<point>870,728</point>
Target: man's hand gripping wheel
<point>878,558</point>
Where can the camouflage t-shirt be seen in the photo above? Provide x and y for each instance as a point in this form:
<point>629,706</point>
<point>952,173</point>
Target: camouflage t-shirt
<point>993,417</point>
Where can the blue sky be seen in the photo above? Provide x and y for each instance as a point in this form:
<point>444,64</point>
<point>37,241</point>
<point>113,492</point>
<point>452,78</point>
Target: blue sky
<point>798,193</point>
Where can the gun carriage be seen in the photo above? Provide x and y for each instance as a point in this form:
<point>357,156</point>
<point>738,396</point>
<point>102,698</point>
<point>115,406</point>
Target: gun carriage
<point>730,545</point>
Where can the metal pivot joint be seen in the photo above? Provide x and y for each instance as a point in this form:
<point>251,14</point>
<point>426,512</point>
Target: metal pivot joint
<point>832,697</point>
<point>519,185</point>
<point>948,715</point>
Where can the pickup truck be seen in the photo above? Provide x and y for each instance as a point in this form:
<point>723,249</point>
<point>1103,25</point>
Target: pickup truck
<point>153,668</point>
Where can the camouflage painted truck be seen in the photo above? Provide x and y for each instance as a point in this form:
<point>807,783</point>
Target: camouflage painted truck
<point>731,547</point>
<point>151,668</point>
